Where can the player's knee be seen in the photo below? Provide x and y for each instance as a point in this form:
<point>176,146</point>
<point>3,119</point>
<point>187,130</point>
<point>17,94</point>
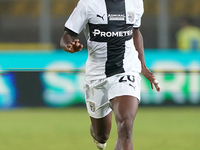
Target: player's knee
<point>102,138</point>
<point>125,127</point>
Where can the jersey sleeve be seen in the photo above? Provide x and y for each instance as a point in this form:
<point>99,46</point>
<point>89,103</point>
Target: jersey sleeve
<point>78,19</point>
<point>138,14</point>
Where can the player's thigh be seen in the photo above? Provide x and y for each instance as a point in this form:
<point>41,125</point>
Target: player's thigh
<point>125,107</point>
<point>124,95</point>
<point>98,106</point>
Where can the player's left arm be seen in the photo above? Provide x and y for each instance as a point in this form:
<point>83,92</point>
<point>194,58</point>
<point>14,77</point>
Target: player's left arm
<point>139,45</point>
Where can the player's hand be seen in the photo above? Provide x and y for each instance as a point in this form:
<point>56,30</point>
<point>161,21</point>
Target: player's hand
<point>74,46</point>
<point>150,76</point>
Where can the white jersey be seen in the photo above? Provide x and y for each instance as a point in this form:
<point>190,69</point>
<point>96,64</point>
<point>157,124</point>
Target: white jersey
<point>108,27</point>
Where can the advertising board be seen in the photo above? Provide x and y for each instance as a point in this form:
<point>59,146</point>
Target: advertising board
<point>55,78</point>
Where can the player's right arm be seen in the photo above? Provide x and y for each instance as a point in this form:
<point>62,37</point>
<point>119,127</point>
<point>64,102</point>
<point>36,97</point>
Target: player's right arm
<point>68,44</point>
<point>73,26</point>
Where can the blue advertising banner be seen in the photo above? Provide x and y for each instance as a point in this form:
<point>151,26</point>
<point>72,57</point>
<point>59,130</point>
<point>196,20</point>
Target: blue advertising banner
<point>44,78</point>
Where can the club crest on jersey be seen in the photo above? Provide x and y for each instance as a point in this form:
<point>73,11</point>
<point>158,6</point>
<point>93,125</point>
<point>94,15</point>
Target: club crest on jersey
<point>92,106</point>
<point>131,16</point>
<point>116,17</point>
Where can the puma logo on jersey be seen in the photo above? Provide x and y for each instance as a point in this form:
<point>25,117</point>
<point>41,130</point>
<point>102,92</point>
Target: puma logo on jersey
<point>132,86</point>
<point>101,16</point>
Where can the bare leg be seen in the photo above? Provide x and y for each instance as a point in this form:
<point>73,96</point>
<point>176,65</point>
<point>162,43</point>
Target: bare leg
<point>100,128</point>
<point>125,110</point>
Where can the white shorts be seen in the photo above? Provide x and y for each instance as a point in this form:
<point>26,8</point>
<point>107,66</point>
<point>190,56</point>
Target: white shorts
<point>98,93</point>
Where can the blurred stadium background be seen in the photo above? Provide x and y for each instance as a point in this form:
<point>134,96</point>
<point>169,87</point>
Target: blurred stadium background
<point>41,96</point>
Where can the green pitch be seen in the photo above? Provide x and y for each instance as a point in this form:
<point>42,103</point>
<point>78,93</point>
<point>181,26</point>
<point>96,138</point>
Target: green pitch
<point>155,128</point>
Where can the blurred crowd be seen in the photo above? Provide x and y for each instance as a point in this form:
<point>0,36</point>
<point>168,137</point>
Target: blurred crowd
<point>188,36</point>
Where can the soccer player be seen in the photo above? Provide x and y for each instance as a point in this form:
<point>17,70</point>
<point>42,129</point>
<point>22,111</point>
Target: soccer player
<point>115,59</point>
